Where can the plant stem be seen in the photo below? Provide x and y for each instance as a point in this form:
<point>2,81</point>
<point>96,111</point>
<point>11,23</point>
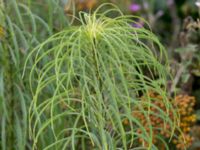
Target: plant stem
<point>97,68</point>
<point>177,78</point>
<point>95,56</point>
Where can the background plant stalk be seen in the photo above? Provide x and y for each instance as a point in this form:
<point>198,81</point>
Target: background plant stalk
<point>7,71</point>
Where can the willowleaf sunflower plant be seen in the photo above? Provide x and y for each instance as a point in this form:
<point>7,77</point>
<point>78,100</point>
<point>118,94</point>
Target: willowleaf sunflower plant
<point>87,79</point>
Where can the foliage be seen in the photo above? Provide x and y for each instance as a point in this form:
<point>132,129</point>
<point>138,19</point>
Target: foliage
<point>21,30</point>
<point>86,79</point>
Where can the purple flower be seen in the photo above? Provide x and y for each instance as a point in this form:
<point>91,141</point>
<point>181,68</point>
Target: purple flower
<point>134,7</point>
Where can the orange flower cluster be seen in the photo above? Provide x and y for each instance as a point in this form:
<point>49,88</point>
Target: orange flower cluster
<point>160,127</point>
<point>184,104</point>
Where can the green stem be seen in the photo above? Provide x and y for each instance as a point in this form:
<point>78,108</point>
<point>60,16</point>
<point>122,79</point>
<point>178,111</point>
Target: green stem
<point>98,76</point>
<point>97,68</point>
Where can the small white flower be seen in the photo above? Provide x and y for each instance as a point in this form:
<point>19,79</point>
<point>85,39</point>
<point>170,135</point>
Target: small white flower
<point>198,4</point>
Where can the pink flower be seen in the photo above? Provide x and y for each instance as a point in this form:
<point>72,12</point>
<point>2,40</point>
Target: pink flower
<point>134,7</point>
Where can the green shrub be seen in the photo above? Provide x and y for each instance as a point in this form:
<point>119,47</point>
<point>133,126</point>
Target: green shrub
<point>86,79</point>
